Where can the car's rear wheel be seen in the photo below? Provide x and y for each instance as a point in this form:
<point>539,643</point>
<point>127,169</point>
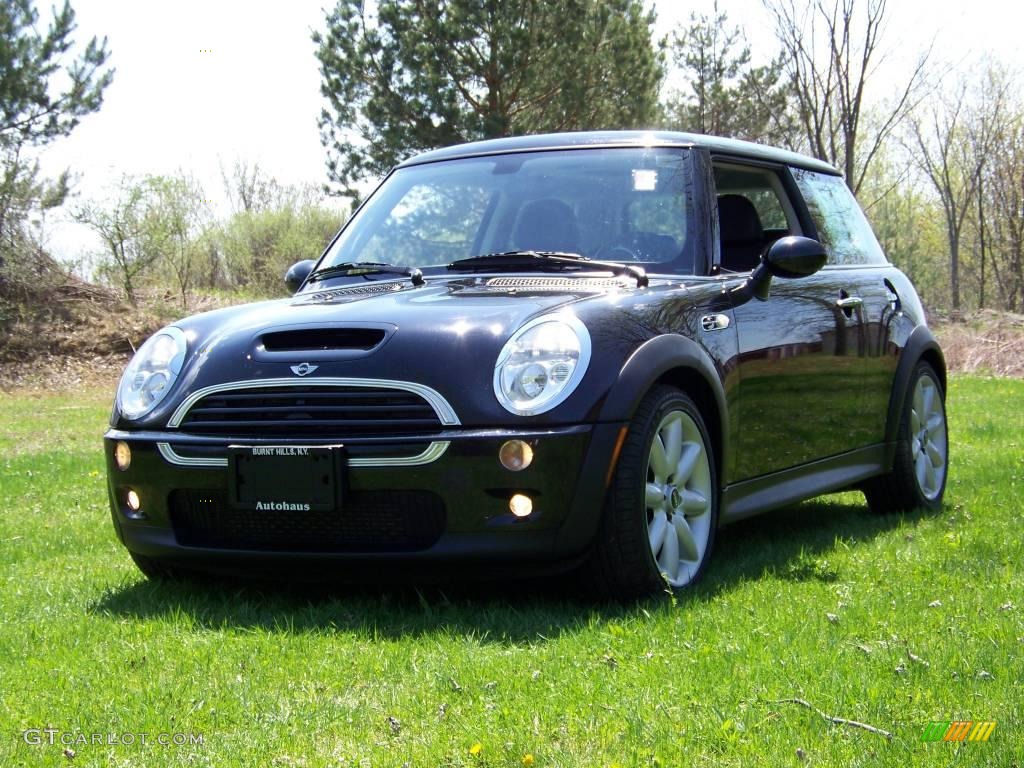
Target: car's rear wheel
<point>659,524</point>
<point>918,476</point>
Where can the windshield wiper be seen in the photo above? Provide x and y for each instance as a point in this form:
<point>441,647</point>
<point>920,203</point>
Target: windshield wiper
<point>546,261</point>
<point>349,269</point>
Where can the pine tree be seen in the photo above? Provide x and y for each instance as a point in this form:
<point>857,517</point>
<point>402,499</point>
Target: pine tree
<point>43,95</point>
<point>419,74</point>
<point>725,95</point>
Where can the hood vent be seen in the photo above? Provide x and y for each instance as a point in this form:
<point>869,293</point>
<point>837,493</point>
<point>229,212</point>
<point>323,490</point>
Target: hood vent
<point>338,295</point>
<point>559,283</point>
<point>323,339</point>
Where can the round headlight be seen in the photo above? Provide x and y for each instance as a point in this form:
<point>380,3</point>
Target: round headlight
<point>541,364</point>
<point>151,373</point>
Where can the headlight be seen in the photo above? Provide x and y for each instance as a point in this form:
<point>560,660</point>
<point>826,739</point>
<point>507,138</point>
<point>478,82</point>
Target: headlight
<point>541,364</point>
<point>151,373</point>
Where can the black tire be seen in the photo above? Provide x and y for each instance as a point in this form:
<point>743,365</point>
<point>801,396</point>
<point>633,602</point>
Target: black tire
<point>907,486</point>
<point>154,570</point>
<point>622,564</point>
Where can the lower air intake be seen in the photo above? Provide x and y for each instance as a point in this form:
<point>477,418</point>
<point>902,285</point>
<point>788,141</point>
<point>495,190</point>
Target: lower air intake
<point>370,521</point>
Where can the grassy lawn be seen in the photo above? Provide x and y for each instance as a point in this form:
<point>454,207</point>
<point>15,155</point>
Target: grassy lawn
<point>889,621</point>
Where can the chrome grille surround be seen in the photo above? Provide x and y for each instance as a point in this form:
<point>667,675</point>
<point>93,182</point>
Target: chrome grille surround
<point>432,452</point>
<point>445,413</point>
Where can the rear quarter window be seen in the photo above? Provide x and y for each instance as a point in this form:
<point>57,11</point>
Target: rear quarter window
<point>842,226</point>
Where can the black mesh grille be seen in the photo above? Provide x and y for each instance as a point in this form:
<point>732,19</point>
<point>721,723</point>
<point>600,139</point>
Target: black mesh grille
<point>338,412</point>
<point>370,521</point>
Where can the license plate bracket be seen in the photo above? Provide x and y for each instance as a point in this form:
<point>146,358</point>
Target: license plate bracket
<point>286,478</point>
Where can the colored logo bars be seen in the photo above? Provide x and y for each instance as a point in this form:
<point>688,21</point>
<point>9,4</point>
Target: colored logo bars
<point>958,730</point>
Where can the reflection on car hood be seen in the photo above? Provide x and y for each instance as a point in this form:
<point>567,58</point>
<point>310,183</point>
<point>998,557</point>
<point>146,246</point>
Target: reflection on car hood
<point>445,322</point>
<point>445,335</point>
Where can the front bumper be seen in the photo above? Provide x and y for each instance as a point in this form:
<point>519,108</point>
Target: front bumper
<point>441,500</point>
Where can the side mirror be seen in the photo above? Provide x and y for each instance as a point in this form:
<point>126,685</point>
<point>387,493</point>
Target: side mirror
<point>795,256</point>
<point>297,274</point>
<point>788,257</point>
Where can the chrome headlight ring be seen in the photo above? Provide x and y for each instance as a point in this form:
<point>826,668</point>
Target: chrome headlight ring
<point>151,373</point>
<point>541,364</point>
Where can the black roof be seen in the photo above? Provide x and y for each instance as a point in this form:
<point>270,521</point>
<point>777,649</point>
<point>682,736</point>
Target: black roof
<point>622,139</point>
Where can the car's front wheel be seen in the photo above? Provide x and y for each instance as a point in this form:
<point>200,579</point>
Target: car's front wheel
<point>154,570</point>
<point>659,524</point>
<point>918,477</point>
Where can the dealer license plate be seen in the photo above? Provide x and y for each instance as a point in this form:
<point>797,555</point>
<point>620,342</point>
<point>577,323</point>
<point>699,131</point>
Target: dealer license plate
<point>285,478</point>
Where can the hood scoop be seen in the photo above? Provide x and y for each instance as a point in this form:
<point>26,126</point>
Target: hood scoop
<point>323,339</point>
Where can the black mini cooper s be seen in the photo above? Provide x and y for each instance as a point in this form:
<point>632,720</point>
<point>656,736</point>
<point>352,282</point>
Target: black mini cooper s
<point>542,353</point>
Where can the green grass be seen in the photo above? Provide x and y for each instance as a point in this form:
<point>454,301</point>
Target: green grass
<point>891,621</point>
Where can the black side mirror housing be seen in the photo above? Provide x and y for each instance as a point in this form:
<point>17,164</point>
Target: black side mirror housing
<point>795,256</point>
<point>788,257</point>
<point>297,274</point>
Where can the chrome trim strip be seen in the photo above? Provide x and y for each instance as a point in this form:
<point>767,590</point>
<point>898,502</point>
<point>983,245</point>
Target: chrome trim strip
<point>441,407</point>
<point>173,457</point>
<point>432,453</point>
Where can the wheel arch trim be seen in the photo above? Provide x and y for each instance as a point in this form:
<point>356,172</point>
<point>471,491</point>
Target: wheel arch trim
<point>921,345</point>
<point>670,359</point>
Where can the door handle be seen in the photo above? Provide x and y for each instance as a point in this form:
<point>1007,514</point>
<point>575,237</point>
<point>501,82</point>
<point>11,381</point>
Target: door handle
<point>849,302</point>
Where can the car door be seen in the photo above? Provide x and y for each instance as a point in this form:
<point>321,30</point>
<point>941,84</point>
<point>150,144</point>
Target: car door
<point>861,272</point>
<point>801,352</point>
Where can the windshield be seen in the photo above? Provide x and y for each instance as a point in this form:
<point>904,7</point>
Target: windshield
<point>625,204</point>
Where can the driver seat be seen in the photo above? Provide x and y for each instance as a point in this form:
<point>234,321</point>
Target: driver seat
<point>741,236</point>
<point>547,224</point>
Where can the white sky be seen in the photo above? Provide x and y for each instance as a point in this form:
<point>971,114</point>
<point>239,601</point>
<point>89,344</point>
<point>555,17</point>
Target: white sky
<point>203,83</point>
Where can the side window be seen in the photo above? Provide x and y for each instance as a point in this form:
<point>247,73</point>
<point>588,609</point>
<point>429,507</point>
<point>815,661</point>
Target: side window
<point>753,212</point>
<point>842,226</point>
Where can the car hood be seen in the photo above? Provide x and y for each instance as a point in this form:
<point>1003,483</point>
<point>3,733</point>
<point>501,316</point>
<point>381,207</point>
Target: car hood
<point>445,334</point>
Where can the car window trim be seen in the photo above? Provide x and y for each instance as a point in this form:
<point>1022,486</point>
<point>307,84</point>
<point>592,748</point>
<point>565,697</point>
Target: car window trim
<point>789,185</point>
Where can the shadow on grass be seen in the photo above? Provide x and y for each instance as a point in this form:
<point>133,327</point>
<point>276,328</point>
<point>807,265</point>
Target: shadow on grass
<point>791,544</point>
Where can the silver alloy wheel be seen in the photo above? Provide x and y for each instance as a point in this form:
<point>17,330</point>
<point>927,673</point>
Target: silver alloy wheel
<point>678,498</point>
<point>929,448</point>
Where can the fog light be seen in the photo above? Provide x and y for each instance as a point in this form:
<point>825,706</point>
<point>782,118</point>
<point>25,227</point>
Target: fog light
<point>515,455</point>
<point>134,503</point>
<point>520,505</point>
<point>122,455</point>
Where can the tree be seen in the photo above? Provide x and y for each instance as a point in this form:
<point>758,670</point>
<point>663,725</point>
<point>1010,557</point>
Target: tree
<point>43,94</point>
<point>832,48</point>
<point>726,95</point>
<point>177,219</point>
<point>273,226</point>
<point>907,220</point>
<point>259,246</point>
<point>248,188</point>
<point>420,74</point>
<point>951,142</point>
<point>1005,190</point>
<point>127,228</point>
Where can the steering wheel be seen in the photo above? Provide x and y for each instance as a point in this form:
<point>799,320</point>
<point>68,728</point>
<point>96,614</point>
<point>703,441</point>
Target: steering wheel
<point>608,253</point>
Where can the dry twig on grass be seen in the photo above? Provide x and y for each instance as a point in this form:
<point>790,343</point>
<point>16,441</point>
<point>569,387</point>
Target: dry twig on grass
<point>836,720</point>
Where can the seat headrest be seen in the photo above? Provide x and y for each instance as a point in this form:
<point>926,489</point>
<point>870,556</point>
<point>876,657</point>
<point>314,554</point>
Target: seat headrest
<point>738,221</point>
<point>546,225</point>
